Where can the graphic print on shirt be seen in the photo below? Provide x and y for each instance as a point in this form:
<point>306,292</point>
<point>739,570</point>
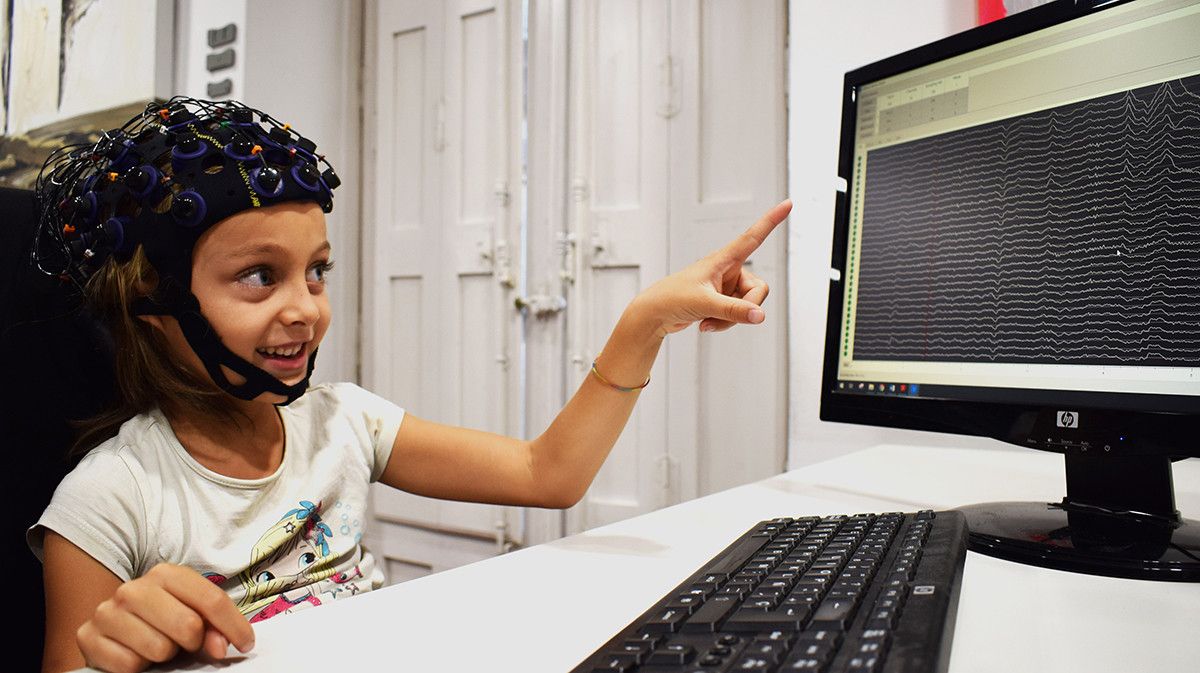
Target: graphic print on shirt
<point>292,554</point>
<point>291,565</point>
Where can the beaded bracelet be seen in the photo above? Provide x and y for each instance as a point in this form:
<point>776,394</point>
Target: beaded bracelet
<point>614,386</point>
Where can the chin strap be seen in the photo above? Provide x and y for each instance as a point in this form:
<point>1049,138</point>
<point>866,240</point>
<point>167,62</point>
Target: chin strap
<point>213,354</point>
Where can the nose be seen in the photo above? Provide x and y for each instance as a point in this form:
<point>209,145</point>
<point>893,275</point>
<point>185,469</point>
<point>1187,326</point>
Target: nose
<point>300,305</point>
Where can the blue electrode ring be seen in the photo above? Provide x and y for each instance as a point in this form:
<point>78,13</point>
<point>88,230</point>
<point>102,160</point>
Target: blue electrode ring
<point>188,208</point>
<point>231,149</point>
<point>307,176</point>
<point>114,230</point>
<point>180,151</point>
<point>266,181</point>
<point>142,180</point>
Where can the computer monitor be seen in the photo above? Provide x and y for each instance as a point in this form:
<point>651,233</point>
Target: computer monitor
<point>1017,255</point>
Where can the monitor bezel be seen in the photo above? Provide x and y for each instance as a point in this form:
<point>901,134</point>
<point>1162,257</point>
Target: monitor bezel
<point>1146,424</point>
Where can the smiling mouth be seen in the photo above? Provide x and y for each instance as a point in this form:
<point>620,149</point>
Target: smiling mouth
<point>285,357</point>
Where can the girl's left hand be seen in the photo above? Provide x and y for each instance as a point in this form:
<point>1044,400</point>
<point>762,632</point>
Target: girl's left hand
<point>716,290</point>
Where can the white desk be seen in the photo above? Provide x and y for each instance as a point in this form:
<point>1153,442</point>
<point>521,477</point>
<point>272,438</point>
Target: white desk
<point>547,607</point>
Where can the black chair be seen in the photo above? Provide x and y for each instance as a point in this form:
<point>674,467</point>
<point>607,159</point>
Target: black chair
<point>57,367</point>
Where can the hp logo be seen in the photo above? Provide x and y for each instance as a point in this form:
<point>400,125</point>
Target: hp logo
<point>1067,419</point>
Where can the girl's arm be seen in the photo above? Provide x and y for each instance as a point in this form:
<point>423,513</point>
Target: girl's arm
<point>95,619</point>
<point>555,469</point>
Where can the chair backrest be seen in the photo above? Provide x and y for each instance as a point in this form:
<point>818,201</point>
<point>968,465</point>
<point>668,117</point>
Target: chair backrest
<point>56,366</point>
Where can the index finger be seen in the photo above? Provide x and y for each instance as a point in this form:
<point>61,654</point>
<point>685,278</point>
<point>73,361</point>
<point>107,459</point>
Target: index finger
<point>214,605</point>
<point>748,241</point>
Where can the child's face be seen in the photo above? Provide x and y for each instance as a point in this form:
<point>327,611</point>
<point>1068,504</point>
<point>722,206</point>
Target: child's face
<point>260,278</point>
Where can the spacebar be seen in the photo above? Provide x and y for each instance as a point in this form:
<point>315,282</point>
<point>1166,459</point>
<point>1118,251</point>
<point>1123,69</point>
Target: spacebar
<point>733,559</point>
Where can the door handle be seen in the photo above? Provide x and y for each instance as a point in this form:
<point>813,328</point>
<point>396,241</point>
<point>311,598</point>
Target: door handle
<point>542,306</point>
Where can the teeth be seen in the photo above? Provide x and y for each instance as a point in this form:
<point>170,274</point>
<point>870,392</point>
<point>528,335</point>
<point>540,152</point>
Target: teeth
<point>280,352</point>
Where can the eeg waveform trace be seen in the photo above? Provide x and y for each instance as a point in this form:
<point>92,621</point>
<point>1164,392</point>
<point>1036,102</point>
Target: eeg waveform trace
<point>1069,235</point>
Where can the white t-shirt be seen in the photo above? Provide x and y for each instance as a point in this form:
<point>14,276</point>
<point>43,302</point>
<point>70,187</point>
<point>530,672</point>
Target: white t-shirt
<point>275,544</point>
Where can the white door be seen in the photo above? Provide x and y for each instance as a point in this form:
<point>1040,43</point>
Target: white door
<point>679,137</point>
<point>442,329</point>
<point>727,397</point>
<point>618,163</point>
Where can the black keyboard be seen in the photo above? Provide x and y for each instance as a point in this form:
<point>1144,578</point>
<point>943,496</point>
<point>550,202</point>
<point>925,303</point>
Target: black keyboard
<point>864,594</point>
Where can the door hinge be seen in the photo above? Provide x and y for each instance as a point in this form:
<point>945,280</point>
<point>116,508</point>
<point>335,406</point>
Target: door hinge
<point>566,246</point>
<point>503,197</point>
<point>669,105</point>
<point>439,126</point>
<point>665,466</point>
<point>579,189</point>
<point>503,544</point>
<point>503,265</point>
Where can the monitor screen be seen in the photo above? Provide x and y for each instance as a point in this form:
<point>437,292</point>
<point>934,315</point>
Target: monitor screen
<point>1023,219</point>
<point>1017,255</point>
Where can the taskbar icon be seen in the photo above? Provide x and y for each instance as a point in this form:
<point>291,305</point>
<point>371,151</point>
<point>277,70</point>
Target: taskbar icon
<point>876,388</point>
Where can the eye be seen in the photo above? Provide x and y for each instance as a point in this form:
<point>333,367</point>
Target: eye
<point>263,577</point>
<point>307,558</point>
<point>259,276</point>
<point>316,274</point>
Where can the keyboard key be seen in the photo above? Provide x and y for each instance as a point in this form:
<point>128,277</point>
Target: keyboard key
<point>650,640</point>
<point>766,649</point>
<point>636,648</point>
<point>814,650</point>
<point>833,613</point>
<point>730,561</point>
<point>666,621</point>
<point>737,591</point>
<point>883,619</point>
<point>864,665</point>
<point>712,613</point>
<point>875,647</point>
<point>780,584</point>
<point>615,664</point>
<point>820,636</point>
<point>754,621</point>
<point>784,637</point>
<point>621,661</point>
<point>801,600</point>
<point>685,603</point>
<point>751,663</point>
<point>761,604</point>
<point>804,664</point>
<point>672,653</point>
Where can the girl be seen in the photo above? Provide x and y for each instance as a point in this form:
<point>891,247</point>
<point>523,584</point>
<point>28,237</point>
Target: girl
<point>205,503</point>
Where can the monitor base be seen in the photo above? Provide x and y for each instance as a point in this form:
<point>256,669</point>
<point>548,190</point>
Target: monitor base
<point>1084,539</point>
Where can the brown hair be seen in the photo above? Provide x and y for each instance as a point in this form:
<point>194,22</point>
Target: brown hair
<point>146,374</point>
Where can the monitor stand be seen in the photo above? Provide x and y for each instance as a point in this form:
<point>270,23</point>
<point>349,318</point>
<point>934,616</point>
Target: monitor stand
<point>1118,520</point>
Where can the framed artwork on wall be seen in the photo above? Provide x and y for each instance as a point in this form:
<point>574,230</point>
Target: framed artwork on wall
<point>22,154</point>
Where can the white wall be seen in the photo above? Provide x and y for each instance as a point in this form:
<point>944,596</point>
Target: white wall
<point>303,66</point>
<point>826,39</point>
